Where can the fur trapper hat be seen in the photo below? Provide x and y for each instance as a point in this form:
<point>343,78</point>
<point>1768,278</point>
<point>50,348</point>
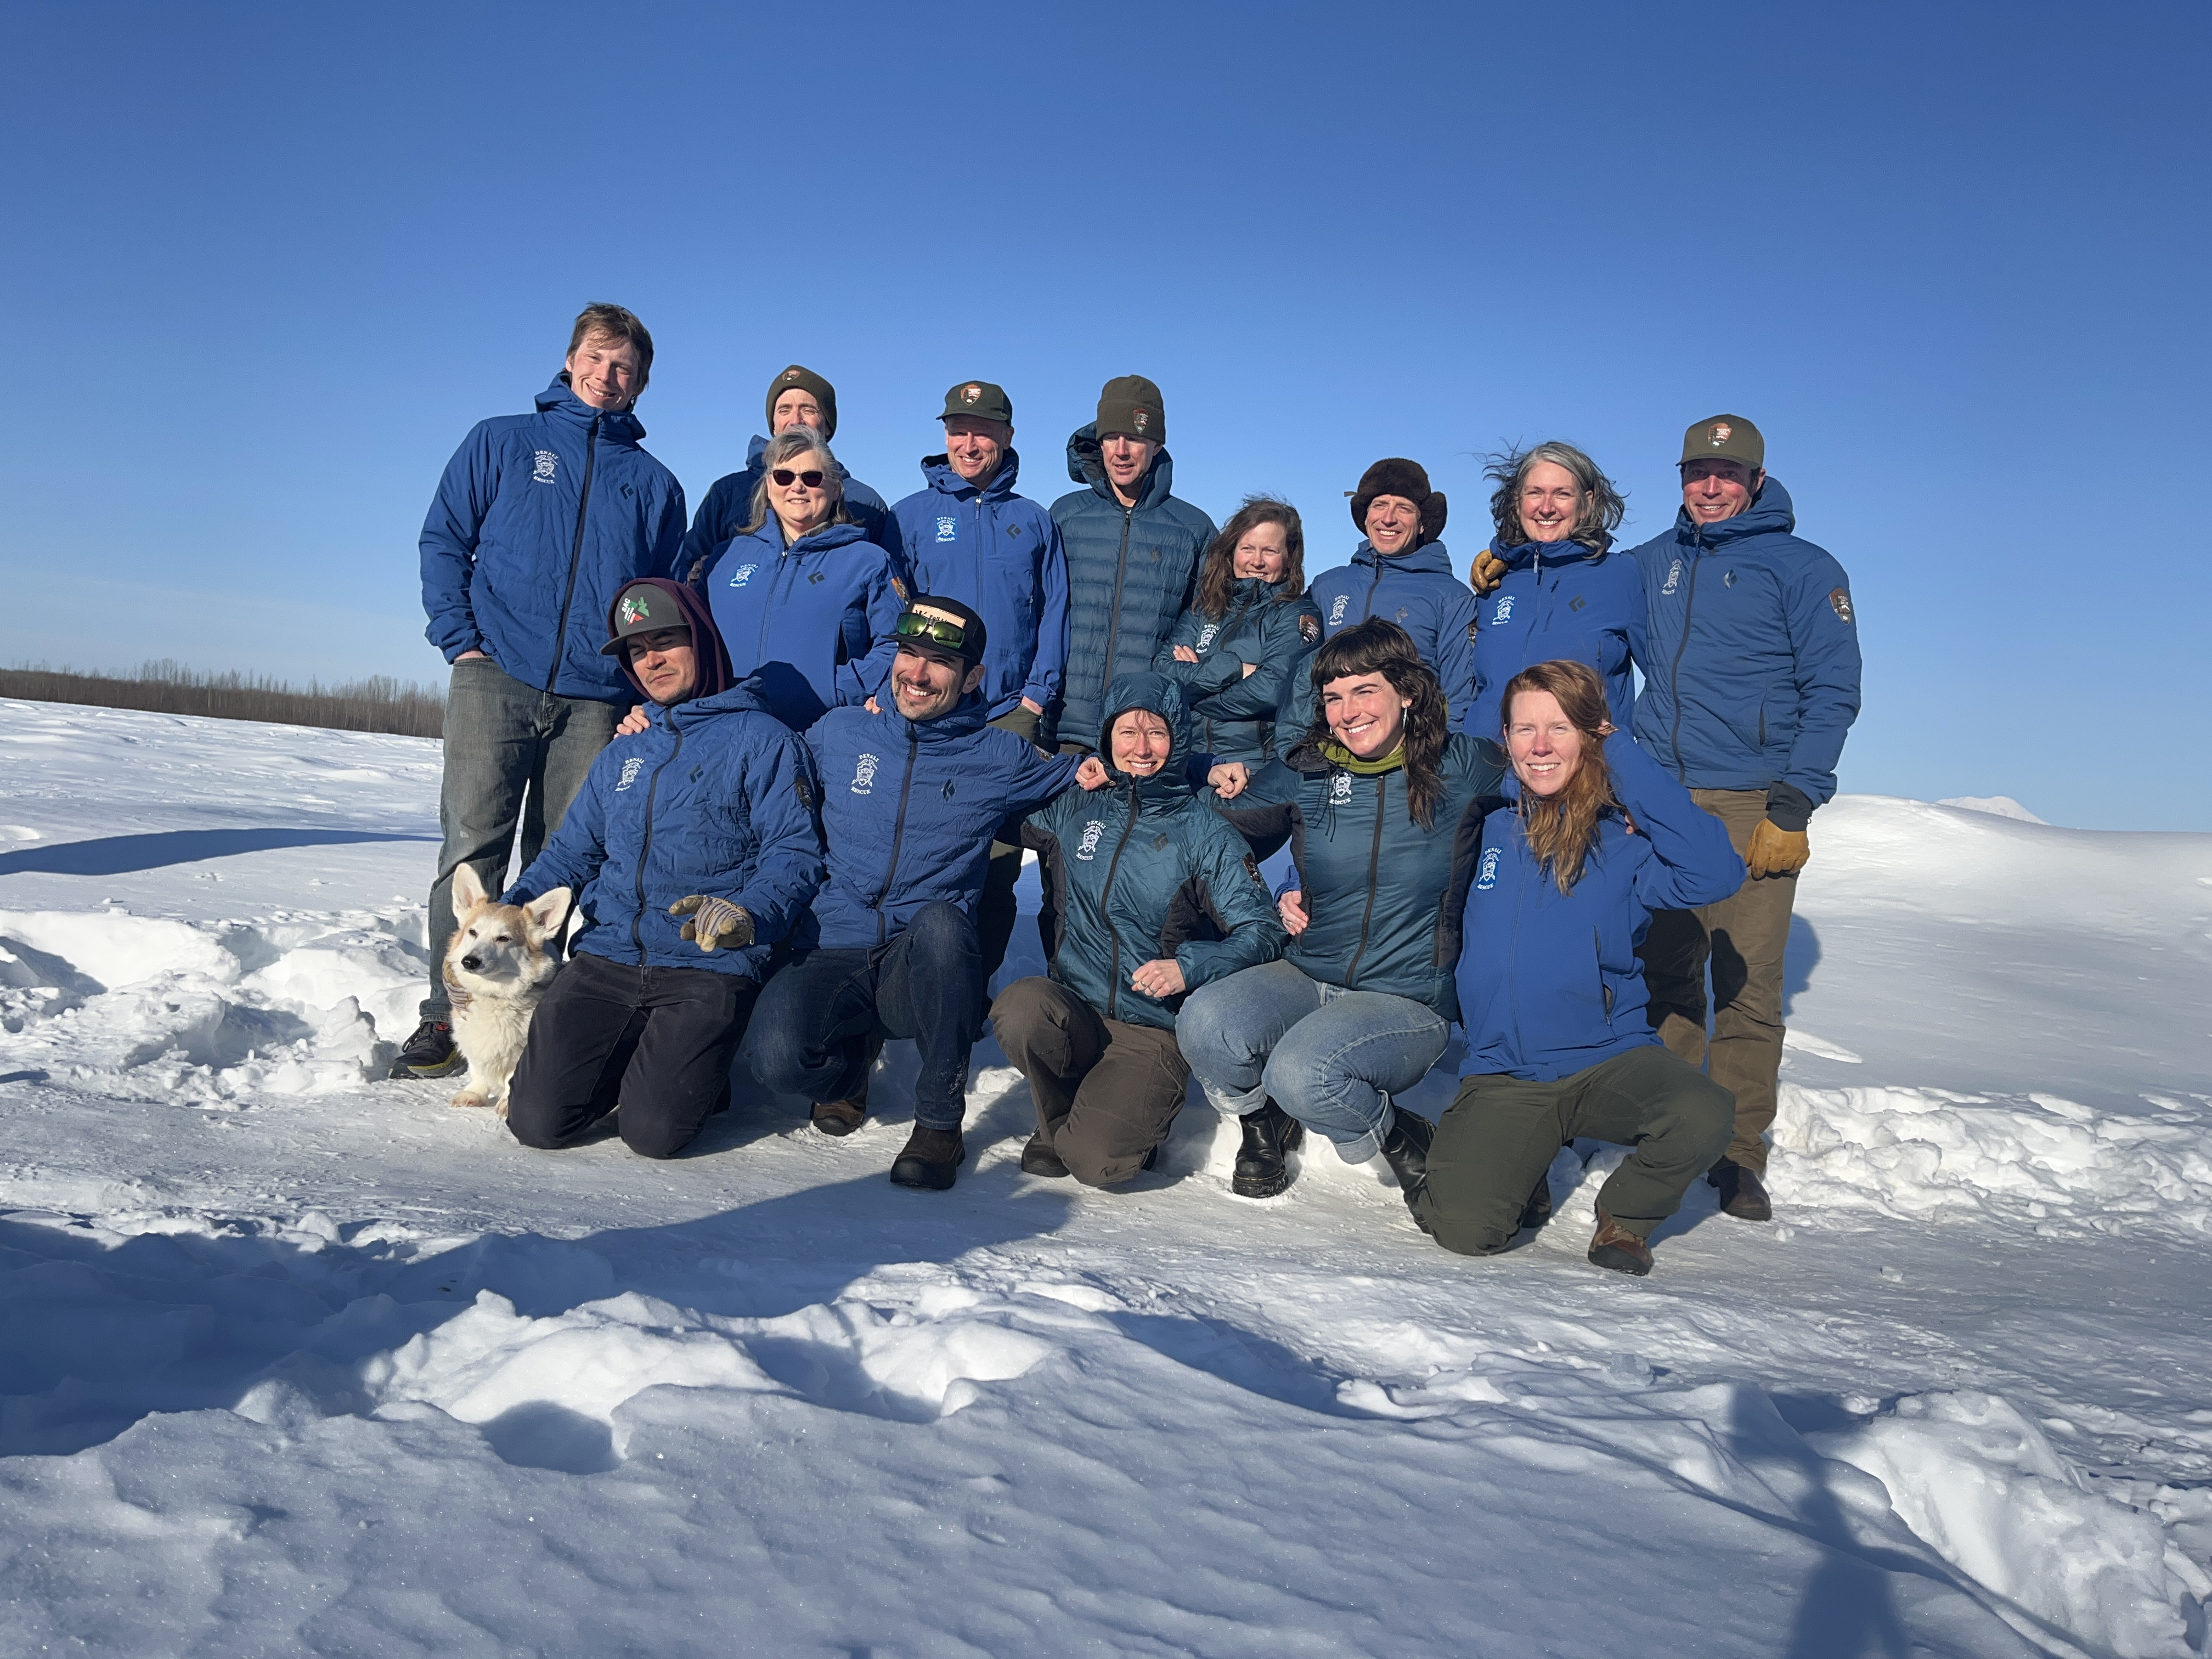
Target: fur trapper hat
<point>1397,476</point>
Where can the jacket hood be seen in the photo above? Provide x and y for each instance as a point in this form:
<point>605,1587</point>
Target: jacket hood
<point>1085,466</point>
<point>971,714</point>
<point>829,537</point>
<point>1771,513</point>
<point>1429,559</point>
<point>1162,697</point>
<point>715,676</point>
<point>938,474</point>
<point>557,399</point>
<point>1525,556</point>
<point>746,698</point>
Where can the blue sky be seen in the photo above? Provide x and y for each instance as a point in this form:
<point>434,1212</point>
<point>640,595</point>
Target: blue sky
<point>267,264</point>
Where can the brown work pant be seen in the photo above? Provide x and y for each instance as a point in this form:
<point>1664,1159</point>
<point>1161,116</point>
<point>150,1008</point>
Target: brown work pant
<point>1107,1093</point>
<point>1743,939</point>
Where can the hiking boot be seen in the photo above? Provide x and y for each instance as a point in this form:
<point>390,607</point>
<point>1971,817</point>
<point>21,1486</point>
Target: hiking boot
<point>931,1160</point>
<point>1742,1194</point>
<point>428,1052</point>
<point>1617,1247</point>
<point>1262,1169</point>
<point>1537,1210</point>
<point>1038,1158</point>
<point>842,1117</point>
<point>1406,1149</point>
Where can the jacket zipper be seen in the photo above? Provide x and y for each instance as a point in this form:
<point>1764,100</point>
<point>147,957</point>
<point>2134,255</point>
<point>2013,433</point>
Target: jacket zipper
<point>898,834</point>
<point>1604,991</point>
<point>1374,869</point>
<point>645,851</point>
<point>1113,623</point>
<point>1113,979</point>
<point>1675,668</point>
<point>785,564</point>
<point>575,552</point>
<point>1367,610</point>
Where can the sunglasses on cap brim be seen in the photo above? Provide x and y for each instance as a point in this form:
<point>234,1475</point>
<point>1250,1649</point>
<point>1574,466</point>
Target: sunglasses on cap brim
<point>783,477</point>
<point>918,629</point>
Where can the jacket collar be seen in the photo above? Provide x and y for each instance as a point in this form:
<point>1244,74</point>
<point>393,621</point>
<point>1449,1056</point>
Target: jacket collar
<point>1530,555</point>
<point>1430,559</point>
<point>937,473</point>
<point>620,424</point>
<point>1771,513</point>
<point>1085,467</point>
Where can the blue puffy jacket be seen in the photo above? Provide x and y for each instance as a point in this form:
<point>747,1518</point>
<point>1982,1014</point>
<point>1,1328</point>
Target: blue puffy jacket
<point>1549,983</point>
<point>909,812</point>
<point>1754,675</point>
<point>538,522</point>
<point>1559,600</point>
<point>1419,592</point>
<point>998,553</point>
<point>1374,881</point>
<point>1240,716</point>
<point>1130,575</point>
<point>713,797</point>
<point>1143,869</point>
<point>729,503</point>
<point>814,620</point>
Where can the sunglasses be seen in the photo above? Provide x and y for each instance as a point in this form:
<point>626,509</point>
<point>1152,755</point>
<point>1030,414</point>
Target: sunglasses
<point>783,477</point>
<point>952,636</point>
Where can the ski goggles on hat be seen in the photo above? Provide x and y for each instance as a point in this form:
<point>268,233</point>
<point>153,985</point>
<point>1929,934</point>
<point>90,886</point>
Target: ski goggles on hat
<point>941,632</point>
<point>784,474</point>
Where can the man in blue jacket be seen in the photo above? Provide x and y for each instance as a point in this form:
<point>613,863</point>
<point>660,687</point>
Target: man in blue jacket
<point>538,522</point>
<point>969,536</point>
<point>1133,548</point>
<point>1755,683</point>
<point>796,396</point>
<point>911,798</point>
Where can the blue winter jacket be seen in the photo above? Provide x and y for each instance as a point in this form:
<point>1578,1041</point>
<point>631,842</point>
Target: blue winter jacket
<point>1558,600</point>
<point>538,522</point>
<point>909,812</point>
<point>1549,983</point>
<point>729,503</point>
<point>1240,716</point>
<point>1374,881</point>
<point>1143,869</point>
<point>713,797</point>
<point>814,620</point>
<point>1130,575</point>
<point>1419,592</point>
<point>1754,680</point>
<point>998,553</point>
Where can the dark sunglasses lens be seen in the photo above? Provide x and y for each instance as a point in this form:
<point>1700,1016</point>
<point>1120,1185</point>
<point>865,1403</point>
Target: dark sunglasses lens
<point>784,474</point>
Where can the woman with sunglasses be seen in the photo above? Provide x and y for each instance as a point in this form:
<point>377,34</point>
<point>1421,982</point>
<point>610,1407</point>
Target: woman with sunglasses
<point>803,598</point>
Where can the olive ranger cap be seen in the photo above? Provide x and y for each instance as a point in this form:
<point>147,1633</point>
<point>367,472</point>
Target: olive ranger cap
<point>1725,438</point>
<point>643,609</point>
<point>1131,405</point>
<point>980,398</point>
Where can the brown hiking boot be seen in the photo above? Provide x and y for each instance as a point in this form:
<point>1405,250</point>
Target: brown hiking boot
<point>1038,1158</point>
<point>931,1160</point>
<point>1617,1247</point>
<point>1742,1194</point>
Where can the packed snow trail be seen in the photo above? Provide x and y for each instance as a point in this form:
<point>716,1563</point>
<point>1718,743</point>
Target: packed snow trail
<point>300,1363</point>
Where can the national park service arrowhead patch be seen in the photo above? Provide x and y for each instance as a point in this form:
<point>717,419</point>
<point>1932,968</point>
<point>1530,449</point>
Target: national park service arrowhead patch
<point>1841,599</point>
<point>1309,629</point>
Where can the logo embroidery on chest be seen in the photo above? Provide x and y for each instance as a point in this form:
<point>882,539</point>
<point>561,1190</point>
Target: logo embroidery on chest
<point>1339,790</point>
<point>1336,610</point>
<point>864,775</point>
<point>1577,603</point>
<point>1674,576</point>
<point>948,789</point>
<point>548,463</point>
<point>1206,635</point>
<point>1087,848</point>
<point>948,530</point>
<point>1504,614</point>
<point>743,575</point>
<point>1488,877</point>
<point>631,768</point>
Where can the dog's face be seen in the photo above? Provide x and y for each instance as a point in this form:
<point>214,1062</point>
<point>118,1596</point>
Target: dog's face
<point>500,950</point>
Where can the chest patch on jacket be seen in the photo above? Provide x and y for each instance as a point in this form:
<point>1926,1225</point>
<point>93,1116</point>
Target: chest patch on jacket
<point>947,530</point>
<point>742,574</point>
<point>1500,616</point>
<point>1087,848</point>
<point>1673,577</point>
<point>1488,878</point>
<point>631,768</point>
<point>1842,602</point>
<point>547,464</point>
<point>1206,635</point>
<point>864,775</point>
<point>1336,610</point>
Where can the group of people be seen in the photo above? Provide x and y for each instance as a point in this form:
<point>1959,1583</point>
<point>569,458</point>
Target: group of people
<point>791,756</point>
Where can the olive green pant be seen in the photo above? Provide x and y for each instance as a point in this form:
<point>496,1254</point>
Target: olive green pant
<point>1743,940</point>
<point>1500,1133</point>
<point>998,907</point>
<point>1107,1093</point>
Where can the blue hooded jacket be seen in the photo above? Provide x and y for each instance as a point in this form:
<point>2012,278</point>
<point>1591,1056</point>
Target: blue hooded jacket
<point>729,503</point>
<point>538,522</point>
<point>814,620</point>
<point>1238,714</point>
<point>998,553</point>
<point>1549,983</point>
<point>1417,591</point>
<point>1754,680</point>
<point>1131,571</point>
<point>1143,869</point>
<point>909,812</point>
<point>1559,600</point>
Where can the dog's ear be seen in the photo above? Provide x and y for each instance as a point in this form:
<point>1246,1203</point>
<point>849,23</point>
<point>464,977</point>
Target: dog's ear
<point>468,889</point>
<point>547,912</point>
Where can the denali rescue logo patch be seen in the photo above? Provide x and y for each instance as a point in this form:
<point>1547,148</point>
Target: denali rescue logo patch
<point>948,529</point>
<point>1309,629</point>
<point>742,574</point>
<point>1339,790</point>
<point>1488,877</point>
<point>1674,575</point>
<point>1504,614</point>
<point>1842,602</point>
<point>864,775</point>
<point>1206,635</point>
<point>1087,848</point>
<point>1336,610</point>
<point>1719,432</point>
<point>547,463</point>
<point>631,768</point>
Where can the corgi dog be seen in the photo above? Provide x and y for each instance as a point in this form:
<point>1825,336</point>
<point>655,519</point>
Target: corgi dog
<point>496,969</point>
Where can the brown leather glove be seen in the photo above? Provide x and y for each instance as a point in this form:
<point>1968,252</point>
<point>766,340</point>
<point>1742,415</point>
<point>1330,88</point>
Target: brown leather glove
<point>1489,571</point>
<point>1775,851</point>
<point>714,922</point>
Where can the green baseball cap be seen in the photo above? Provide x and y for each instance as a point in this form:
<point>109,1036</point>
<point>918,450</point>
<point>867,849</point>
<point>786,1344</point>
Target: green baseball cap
<point>643,607</point>
<point>1725,438</point>
<point>981,399</point>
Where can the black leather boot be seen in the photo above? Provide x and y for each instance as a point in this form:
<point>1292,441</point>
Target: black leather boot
<point>1742,1193</point>
<point>930,1160</point>
<point>1406,1149</point>
<point>1262,1169</point>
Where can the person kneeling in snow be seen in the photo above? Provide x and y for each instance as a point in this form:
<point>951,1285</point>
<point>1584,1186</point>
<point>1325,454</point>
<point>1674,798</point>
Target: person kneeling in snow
<point>1559,892</point>
<point>693,844</point>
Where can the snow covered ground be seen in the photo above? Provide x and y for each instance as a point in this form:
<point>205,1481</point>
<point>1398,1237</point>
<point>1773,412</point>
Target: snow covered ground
<point>295,1362</point>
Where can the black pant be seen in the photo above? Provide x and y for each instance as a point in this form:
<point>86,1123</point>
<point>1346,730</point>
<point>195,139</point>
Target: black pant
<point>657,1042</point>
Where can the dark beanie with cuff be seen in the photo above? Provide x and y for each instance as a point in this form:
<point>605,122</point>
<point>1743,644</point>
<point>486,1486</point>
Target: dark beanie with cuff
<point>804,379</point>
<point>1132,406</point>
<point>1409,481</point>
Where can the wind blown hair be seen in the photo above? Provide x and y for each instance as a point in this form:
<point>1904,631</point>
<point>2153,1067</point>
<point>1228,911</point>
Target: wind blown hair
<point>1603,507</point>
<point>1562,830</point>
<point>793,444</point>
<point>1381,647</point>
<point>1218,576</point>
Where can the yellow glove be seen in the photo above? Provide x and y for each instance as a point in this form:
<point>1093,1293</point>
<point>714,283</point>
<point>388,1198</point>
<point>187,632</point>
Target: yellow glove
<point>1489,571</point>
<point>714,922</point>
<point>1775,851</point>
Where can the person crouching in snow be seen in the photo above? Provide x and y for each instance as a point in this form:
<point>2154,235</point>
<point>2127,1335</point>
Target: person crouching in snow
<point>694,845</point>
<point>1558,891</point>
<point>1154,896</point>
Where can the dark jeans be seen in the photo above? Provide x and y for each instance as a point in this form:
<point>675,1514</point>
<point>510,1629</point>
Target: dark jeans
<point>514,755</point>
<point>656,1041</point>
<point>809,1035</point>
<point>1502,1132</point>
<point>1107,1093</point>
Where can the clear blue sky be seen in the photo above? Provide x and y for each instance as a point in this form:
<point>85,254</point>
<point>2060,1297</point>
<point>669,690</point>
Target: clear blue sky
<point>266,264</point>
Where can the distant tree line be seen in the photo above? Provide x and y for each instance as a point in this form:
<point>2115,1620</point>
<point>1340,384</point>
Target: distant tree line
<point>376,704</point>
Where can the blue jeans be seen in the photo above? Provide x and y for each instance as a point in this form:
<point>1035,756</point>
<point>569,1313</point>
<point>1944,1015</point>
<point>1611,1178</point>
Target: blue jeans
<point>810,1028</point>
<point>515,755</point>
<point>1329,1057</point>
